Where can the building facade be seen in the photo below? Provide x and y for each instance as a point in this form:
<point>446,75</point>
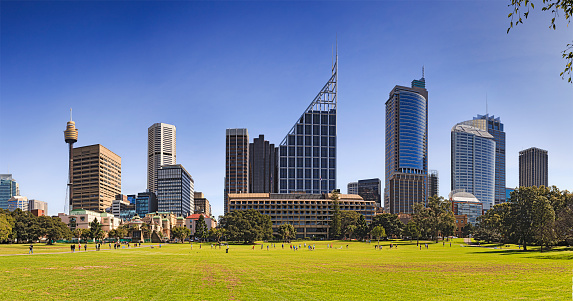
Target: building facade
<point>406,147</point>
<point>81,219</point>
<point>161,150</point>
<point>473,163</point>
<point>145,202</point>
<point>236,163</point>
<point>96,173</point>
<point>533,167</point>
<point>508,192</point>
<point>493,125</point>
<point>18,202</point>
<point>175,190</point>
<point>310,214</point>
<point>37,205</point>
<point>262,166</point>
<point>371,190</point>
<point>8,188</point>
<point>433,183</point>
<point>352,188</point>
<point>202,205</point>
<point>467,204</point>
<point>307,155</point>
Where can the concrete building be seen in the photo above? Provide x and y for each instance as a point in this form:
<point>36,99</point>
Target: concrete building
<point>175,190</point>
<point>406,147</point>
<point>262,166</point>
<point>371,190</point>
<point>145,202</point>
<point>202,205</point>
<point>96,177</point>
<point>161,150</point>
<point>464,203</point>
<point>236,163</point>
<point>473,163</point>
<point>433,183</point>
<point>352,188</point>
<point>122,209</point>
<point>310,214</point>
<point>533,167</point>
<point>307,154</point>
<point>37,205</point>
<point>8,188</point>
<point>18,202</point>
<point>461,222</point>
<point>191,222</point>
<point>81,219</point>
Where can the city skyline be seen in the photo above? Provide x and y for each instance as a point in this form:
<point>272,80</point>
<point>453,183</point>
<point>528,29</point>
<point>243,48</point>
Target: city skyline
<point>90,57</point>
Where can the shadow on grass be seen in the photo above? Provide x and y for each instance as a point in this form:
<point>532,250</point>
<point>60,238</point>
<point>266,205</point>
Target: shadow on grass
<point>554,254</point>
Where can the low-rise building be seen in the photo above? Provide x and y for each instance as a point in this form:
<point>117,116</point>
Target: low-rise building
<point>465,203</point>
<point>164,220</point>
<point>191,222</point>
<point>81,219</point>
<point>461,222</point>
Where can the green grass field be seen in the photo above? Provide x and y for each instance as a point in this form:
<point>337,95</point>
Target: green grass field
<point>175,272</point>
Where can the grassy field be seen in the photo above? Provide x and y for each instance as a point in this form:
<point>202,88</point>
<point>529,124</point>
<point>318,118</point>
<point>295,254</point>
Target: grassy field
<point>359,272</point>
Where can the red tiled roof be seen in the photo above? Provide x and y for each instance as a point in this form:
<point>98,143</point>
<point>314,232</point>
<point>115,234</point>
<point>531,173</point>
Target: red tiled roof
<point>196,216</point>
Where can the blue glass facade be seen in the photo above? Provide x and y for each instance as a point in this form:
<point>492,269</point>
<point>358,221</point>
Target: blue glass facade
<point>508,192</point>
<point>307,155</point>
<point>473,163</point>
<point>175,190</point>
<point>406,162</point>
<point>8,189</point>
<point>145,202</point>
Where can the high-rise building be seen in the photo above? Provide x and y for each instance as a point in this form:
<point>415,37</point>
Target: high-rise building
<point>406,147</point>
<point>37,205</point>
<point>175,190</point>
<point>433,183</point>
<point>71,137</point>
<point>161,150</point>
<point>236,163</point>
<point>96,177</point>
<point>18,202</point>
<point>307,155</point>
<point>352,188</point>
<point>508,192</point>
<point>262,166</point>
<point>473,163</point>
<point>145,203</point>
<point>533,167</point>
<point>371,190</point>
<point>202,205</point>
<point>493,125</point>
<point>8,189</point>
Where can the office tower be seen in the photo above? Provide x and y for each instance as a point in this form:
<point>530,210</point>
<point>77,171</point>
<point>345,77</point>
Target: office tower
<point>37,205</point>
<point>236,163</point>
<point>533,167</point>
<point>71,137</point>
<point>146,202</point>
<point>18,202</point>
<point>262,166</point>
<point>8,189</point>
<point>96,177</point>
<point>508,192</point>
<point>465,203</point>
<point>433,183</point>
<point>370,190</point>
<point>307,155</point>
<point>352,188</point>
<point>202,205</point>
<point>473,163</point>
<point>493,125</point>
<point>161,150</point>
<point>175,190</point>
<point>406,147</point>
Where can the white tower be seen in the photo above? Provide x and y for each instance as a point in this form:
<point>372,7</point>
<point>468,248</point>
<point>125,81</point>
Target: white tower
<point>160,151</point>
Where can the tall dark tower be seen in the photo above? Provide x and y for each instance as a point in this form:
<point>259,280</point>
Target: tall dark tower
<point>71,137</point>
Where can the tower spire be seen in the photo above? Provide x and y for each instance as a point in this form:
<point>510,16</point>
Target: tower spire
<point>423,75</point>
<point>70,114</point>
<point>486,111</point>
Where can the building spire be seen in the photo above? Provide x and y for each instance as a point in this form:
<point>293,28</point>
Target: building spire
<point>423,75</point>
<point>486,110</point>
<point>70,114</point>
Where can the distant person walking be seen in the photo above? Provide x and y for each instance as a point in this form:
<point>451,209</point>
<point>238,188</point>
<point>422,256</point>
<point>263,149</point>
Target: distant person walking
<point>31,249</point>
<point>86,247</point>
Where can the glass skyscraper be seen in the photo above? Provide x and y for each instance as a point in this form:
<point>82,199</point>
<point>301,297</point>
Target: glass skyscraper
<point>370,190</point>
<point>406,147</point>
<point>262,166</point>
<point>473,163</point>
<point>307,155</point>
<point>175,190</point>
<point>8,189</point>
<point>145,203</point>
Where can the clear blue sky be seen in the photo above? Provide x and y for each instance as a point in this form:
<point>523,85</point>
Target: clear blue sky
<point>208,66</point>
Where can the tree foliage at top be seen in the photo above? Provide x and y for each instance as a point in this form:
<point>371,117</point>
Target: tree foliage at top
<point>201,228</point>
<point>556,7</point>
<point>287,232</point>
<point>390,222</point>
<point>247,225</point>
<point>180,233</point>
<point>95,231</point>
<point>348,222</point>
<point>335,222</point>
<point>436,219</point>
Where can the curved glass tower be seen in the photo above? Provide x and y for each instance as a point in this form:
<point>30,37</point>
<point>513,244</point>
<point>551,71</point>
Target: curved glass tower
<point>473,163</point>
<point>406,147</point>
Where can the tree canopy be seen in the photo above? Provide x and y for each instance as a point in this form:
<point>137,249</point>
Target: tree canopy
<point>247,225</point>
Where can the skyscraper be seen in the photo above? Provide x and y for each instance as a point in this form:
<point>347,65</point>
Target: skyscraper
<point>406,147</point>
<point>473,163</point>
<point>493,125</point>
<point>96,177</point>
<point>71,137</point>
<point>307,155</point>
<point>433,183</point>
<point>236,163</point>
<point>262,166</point>
<point>175,190</point>
<point>533,167</point>
<point>8,189</point>
<point>371,190</point>
<point>352,188</point>
<point>145,202</point>
<point>161,150</point>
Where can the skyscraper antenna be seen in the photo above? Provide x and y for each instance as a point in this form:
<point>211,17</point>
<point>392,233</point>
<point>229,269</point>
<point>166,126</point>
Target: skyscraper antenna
<point>486,113</point>
<point>423,75</point>
<point>70,114</point>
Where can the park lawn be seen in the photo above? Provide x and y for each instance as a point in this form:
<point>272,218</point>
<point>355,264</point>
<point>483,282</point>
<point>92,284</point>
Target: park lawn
<point>359,272</point>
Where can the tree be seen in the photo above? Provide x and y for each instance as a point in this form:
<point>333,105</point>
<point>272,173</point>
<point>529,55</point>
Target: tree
<point>217,234</point>
<point>435,220</point>
<point>362,228</point>
<point>555,7</point>
<point>529,215</point>
<point>5,228</point>
<point>335,224</point>
<point>25,226</point>
<point>53,228</point>
<point>390,222</point>
<point>348,220</point>
<point>247,225</point>
<point>180,233</point>
<point>287,232</point>
<point>493,226</point>
<point>411,230</point>
<point>95,231</point>
<point>201,228</point>
<point>378,232</point>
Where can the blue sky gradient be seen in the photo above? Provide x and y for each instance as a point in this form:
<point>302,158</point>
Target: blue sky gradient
<point>207,66</point>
